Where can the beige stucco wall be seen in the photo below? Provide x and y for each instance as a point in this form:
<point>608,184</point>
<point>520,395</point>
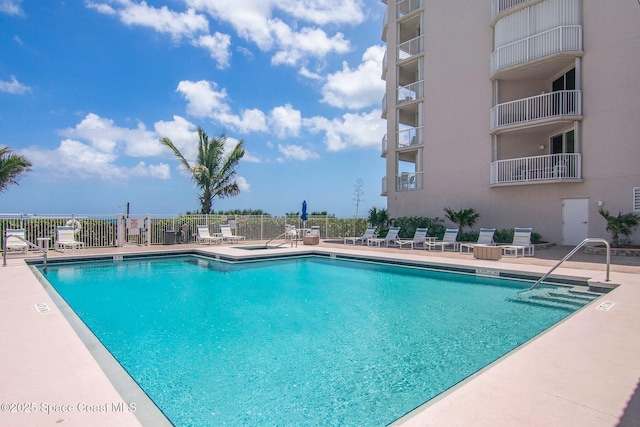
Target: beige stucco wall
<point>458,99</point>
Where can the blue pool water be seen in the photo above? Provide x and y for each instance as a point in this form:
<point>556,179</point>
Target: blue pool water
<point>295,342</point>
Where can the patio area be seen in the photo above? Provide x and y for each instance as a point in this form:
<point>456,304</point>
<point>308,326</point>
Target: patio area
<point>582,372</point>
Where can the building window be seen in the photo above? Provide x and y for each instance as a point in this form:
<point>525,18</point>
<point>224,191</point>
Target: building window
<point>563,143</point>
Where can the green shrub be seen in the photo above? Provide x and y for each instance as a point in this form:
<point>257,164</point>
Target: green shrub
<point>408,226</point>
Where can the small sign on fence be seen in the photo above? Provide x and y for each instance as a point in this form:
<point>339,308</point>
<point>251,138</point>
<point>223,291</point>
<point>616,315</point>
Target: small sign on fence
<point>133,226</point>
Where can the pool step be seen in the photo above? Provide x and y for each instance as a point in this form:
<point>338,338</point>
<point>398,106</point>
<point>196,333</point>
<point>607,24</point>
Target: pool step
<point>563,298</point>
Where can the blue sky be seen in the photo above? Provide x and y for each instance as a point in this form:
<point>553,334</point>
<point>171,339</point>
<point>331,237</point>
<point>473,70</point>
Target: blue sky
<point>87,89</point>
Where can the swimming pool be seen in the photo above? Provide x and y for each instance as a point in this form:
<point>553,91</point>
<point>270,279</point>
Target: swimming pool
<point>301,341</point>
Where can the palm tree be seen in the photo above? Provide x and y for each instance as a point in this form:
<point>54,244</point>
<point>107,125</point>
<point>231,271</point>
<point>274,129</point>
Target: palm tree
<point>11,167</point>
<point>212,171</point>
<point>620,226</point>
<point>463,217</point>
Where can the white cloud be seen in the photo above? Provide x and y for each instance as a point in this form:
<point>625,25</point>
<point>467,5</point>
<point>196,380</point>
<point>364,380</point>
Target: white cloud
<point>104,136</point>
<point>188,25</point>
<point>204,100</point>
<point>11,7</point>
<point>162,20</point>
<point>296,152</point>
<point>357,88</point>
<point>14,87</point>
<point>285,121</point>
<point>73,158</point>
<point>218,47</point>
<point>351,131</point>
<point>243,184</point>
<point>254,20</point>
<point>324,12</point>
<point>294,46</point>
<point>182,133</point>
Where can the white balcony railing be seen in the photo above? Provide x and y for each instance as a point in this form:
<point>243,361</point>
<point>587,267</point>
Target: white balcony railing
<point>409,137</point>
<point>407,181</point>
<point>384,186</point>
<point>384,106</point>
<point>560,39</point>
<point>385,66</point>
<point>410,48</point>
<point>498,6</point>
<point>545,106</point>
<point>405,7</point>
<point>384,145</point>
<point>410,92</point>
<point>551,167</point>
<point>385,25</point>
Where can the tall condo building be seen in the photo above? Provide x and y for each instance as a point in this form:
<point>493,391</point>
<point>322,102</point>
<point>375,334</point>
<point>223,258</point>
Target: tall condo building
<point>527,111</point>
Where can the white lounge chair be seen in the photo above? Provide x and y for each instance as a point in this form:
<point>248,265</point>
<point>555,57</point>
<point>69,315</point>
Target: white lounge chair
<point>370,233</point>
<point>389,239</point>
<point>484,238</point>
<point>419,238</point>
<point>14,242</point>
<point>449,240</point>
<point>521,243</point>
<point>204,236</point>
<point>66,238</point>
<point>227,234</point>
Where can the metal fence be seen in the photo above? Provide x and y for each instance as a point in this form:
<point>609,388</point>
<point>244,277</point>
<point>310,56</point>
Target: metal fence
<point>100,231</point>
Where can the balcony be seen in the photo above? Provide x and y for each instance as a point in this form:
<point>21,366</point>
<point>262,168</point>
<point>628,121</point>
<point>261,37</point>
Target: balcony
<point>410,93</point>
<point>536,109</point>
<point>384,107</point>
<point>385,66</point>
<point>558,40</point>
<point>411,137</point>
<point>410,48</point>
<point>405,7</point>
<point>383,153</point>
<point>537,169</point>
<point>499,6</point>
<point>407,181</point>
<point>384,186</point>
<point>385,25</point>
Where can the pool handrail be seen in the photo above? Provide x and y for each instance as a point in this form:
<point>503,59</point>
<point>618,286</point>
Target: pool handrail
<point>36,247</point>
<point>573,251</point>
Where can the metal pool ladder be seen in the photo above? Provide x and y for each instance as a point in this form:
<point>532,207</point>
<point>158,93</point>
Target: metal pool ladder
<point>585,241</point>
<point>36,247</point>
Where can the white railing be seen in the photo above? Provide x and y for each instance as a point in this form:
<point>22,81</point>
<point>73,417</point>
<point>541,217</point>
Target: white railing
<point>384,144</point>
<point>409,137</point>
<point>385,25</point>
<point>498,6</point>
<point>551,167</point>
<point>384,107</point>
<point>384,186</point>
<point>405,7</point>
<point>545,106</point>
<point>561,39</point>
<point>410,48</point>
<point>410,92</point>
<point>101,231</point>
<point>385,66</point>
<point>407,181</point>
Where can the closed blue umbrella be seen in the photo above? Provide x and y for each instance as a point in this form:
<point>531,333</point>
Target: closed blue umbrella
<point>304,211</point>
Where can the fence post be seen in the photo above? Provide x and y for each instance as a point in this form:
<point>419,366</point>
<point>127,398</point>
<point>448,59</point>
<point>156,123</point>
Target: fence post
<point>147,220</point>
<point>120,230</point>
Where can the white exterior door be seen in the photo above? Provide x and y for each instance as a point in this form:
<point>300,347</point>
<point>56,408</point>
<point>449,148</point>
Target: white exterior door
<point>575,221</point>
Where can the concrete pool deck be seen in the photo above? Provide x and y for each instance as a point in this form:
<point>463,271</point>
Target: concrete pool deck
<point>585,371</point>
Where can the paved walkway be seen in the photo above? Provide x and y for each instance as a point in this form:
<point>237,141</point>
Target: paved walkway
<point>583,372</point>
